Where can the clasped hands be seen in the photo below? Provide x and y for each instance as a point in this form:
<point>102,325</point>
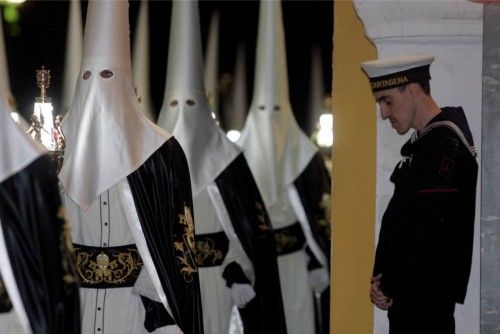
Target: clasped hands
<point>377,296</point>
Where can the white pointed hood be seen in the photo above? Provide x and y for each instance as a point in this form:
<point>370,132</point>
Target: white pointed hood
<point>185,111</point>
<point>236,107</point>
<point>317,90</point>
<point>140,60</point>
<point>275,147</point>
<point>17,150</point>
<point>74,40</point>
<point>107,136</point>
<point>212,64</point>
<point>5,91</point>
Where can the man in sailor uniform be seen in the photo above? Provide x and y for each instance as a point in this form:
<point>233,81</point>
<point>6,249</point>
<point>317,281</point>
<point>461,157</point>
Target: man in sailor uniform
<point>424,252</point>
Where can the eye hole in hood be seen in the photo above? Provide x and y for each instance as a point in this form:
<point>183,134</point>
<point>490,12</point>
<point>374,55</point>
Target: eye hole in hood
<point>106,74</point>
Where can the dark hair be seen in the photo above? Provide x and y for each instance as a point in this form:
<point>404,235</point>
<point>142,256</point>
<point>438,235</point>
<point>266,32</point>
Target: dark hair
<point>424,84</point>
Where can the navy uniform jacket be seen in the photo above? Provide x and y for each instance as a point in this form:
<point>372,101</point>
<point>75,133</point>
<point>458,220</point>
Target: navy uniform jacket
<point>425,243</point>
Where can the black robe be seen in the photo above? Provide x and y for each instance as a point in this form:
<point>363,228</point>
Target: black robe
<point>424,251</point>
<point>311,186</point>
<point>162,195</point>
<point>39,247</point>
<point>241,196</point>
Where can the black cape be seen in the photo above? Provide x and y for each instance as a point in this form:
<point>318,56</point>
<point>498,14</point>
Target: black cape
<point>311,186</point>
<point>264,313</point>
<point>39,247</point>
<point>424,251</point>
<point>162,195</point>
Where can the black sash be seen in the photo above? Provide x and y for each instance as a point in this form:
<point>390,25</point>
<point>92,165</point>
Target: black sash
<point>107,267</point>
<point>289,239</point>
<point>211,249</point>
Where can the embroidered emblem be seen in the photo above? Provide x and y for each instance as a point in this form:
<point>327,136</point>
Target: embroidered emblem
<point>289,239</point>
<point>261,215</point>
<point>102,270</point>
<point>114,267</point>
<point>446,167</point>
<point>325,219</point>
<point>206,252</point>
<point>186,247</point>
<point>284,241</point>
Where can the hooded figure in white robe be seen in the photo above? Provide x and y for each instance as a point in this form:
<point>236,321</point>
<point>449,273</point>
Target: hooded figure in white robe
<point>128,196</point>
<point>140,61</point>
<point>73,56</point>
<point>211,76</point>
<point>6,92</point>
<point>236,105</point>
<point>38,285</point>
<point>279,154</point>
<point>317,96</point>
<point>235,246</point>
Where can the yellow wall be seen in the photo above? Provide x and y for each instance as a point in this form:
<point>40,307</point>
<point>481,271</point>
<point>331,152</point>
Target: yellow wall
<point>354,157</point>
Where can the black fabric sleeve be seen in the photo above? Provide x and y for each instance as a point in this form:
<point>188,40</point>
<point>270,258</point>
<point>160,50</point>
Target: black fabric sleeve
<point>161,189</point>
<point>264,313</point>
<point>314,188</point>
<point>156,315</point>
<point>313,263</point>
<point>233,273</point>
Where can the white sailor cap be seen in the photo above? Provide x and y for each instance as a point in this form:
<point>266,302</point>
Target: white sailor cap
<point>393,72</point>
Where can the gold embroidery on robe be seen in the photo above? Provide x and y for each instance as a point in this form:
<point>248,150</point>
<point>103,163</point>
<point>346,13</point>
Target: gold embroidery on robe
<point>284,241</point>
<point>261,215</point>
<point>122,267</point>
<point>207,252</point>
<point>186,247</point>
<point>66,249</point>
<point>325,221</point>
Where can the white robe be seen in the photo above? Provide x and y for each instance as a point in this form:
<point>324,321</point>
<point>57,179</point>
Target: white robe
<point>10,324</point>
<point>216,298</point>
<point>295,289</point>
<point>104,224</point>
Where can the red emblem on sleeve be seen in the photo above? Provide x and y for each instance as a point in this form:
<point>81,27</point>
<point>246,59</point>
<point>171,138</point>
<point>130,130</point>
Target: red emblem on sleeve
<point>447,166</point>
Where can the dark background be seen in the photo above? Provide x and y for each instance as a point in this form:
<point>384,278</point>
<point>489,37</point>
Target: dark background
<point>39,38</point>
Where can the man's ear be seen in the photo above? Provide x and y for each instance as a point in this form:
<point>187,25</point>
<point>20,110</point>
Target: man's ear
<point>414,89</point>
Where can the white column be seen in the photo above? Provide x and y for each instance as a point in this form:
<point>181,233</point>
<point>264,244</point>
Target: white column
<point>450,30</point>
